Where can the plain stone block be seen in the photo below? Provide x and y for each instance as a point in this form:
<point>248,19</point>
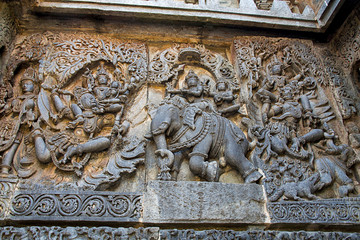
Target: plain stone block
<point>186,202</point>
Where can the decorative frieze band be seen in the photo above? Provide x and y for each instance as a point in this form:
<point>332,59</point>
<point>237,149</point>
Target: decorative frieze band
<point>152,233</point>
<point>175,234</point>
<point>49,233</point>
<point>345,210</point>
<point>75,206</point>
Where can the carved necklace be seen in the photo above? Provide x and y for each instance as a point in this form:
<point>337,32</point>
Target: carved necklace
<point>195,139</point>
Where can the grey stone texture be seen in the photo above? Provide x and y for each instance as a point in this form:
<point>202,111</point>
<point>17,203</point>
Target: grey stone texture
<point>204,202</point>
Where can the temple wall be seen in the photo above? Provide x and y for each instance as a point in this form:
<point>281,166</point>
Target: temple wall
<point>136,127</point>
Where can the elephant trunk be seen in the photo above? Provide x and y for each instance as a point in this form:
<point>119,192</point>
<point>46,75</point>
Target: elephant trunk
<point>160,141</point>
<point>165,158</point>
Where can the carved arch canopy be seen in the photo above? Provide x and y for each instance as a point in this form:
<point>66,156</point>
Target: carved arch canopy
<point>167,64</point>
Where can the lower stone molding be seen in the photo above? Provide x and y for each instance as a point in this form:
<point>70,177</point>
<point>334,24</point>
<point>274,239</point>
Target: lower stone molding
<point>254,235</point>
<point>57,206</point>
<point>153,233</point>
<point>345,210</point>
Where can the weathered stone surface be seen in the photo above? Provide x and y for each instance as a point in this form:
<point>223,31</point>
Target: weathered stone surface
<point>152,233</point>
<point>253,235</point>
<point>95,233</point>
<point>271,14</point>
<point>201,202</point>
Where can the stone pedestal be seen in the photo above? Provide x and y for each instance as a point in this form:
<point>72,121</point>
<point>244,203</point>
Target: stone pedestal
<point>204,202</point>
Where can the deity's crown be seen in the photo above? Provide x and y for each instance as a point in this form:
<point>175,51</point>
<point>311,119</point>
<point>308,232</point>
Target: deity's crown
<point>275,62</point>
<point>102,71</point>
<point>191,75</point>
<point>29,74</point>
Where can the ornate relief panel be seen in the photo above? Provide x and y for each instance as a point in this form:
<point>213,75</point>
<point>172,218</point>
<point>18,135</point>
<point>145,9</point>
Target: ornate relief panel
<point>72,97</point>
<point>97,129</point>
<point>292,121</point>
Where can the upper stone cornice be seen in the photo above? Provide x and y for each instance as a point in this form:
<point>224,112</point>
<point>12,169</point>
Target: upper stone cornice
<point>300,15</point>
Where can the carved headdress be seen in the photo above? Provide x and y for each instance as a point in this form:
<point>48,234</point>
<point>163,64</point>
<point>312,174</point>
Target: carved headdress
<point>275,65</point>
<point>102,72</point>
<point>191,75</point>
<point>29,74</point>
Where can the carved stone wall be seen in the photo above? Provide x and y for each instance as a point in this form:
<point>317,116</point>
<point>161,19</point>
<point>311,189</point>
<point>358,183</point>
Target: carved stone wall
<point>7,34</point>
<point>104,136</point>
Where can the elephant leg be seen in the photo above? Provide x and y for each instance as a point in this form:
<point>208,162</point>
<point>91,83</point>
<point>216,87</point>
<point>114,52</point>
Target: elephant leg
<point>247,170</point>
<point>197,163</point>
<point>178,157</point>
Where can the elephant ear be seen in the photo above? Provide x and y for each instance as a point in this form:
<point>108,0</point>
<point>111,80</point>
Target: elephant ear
<point>189,116</point>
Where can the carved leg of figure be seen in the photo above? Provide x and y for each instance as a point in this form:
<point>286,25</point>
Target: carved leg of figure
<point>265,110</point>
<point>95,145</point>
<point>231,109</point>
<point>41,151</point>
<point>311,196</point>
<point>114,108</point>
<point>314,135</point>
<point>346,184</point>
<point>78,116</point>
<point>60,107</point>
<point>326,177</point>
<point>8,158</point>
<point>346,189</point>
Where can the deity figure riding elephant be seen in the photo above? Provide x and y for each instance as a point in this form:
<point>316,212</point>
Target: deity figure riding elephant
<point>186,131</point>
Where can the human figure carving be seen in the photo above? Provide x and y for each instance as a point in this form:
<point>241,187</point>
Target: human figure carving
<point>27,122</point>
<point>224,98</point>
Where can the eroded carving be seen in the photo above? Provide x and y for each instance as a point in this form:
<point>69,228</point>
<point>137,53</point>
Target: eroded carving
<point>7,189</point>
<point>42,232</point>
<point>264,4</point>
<point>152,233</point>
<point>251,235</point>
<point>7,34</point>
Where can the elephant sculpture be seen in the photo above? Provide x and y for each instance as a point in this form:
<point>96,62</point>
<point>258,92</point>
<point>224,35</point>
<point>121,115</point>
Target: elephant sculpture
<point>182,130</point>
